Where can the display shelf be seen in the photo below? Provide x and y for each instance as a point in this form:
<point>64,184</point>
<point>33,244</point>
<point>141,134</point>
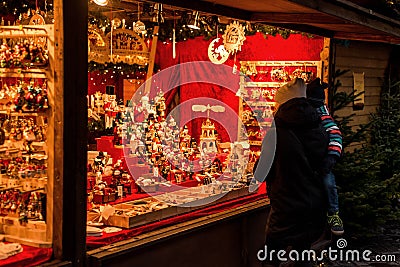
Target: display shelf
<point>28,241</point>
<point>185,200</point>
<point>257,90</point>
<point>23,72</point>
<point>24,191</point>
<point>263,84</point>
<point>258,103</point>
<point>29,145</point>
<point>281,63</point>
<point>24,113</point>
<point>23,31</point>
<point>9,150</point>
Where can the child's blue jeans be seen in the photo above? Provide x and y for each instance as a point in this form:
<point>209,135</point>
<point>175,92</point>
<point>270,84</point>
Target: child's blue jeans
<point>330,185</point>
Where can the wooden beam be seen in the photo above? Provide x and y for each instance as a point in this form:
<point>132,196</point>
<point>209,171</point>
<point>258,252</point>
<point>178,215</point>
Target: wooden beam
<point>208,7</point>
<point>302,18</point>
<point>369,11</point>
<point>56,165</point>
<point>305,28</point>
<point>380,38</point>
<point>152,58</point>
<point>358,17</point>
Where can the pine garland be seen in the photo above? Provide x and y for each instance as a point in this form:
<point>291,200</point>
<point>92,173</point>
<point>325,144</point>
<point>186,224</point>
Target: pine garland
<point>121,67</point>
<point>17,7</point>
<point>183,33</point>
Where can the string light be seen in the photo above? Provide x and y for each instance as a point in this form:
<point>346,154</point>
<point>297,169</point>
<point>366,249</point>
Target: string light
<point>101,2</point>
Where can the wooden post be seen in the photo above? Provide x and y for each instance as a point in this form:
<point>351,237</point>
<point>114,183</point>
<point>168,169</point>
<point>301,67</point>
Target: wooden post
<point>55,170</point>
<point>73,41</point>
<point>325,65</point>
<point>151,60</point>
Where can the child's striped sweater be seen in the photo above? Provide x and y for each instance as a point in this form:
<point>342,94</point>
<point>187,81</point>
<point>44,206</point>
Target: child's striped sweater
<point>335,136</point>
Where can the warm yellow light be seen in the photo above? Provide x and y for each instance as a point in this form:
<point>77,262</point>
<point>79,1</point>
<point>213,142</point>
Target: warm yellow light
<point>101,2</point>
<point>194,21</point>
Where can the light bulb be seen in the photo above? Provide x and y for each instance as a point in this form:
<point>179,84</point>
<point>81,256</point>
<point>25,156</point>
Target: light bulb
<point>101,2</point>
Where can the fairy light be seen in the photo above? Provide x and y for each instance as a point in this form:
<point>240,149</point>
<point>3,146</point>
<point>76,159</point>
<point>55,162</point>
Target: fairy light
<point>101,2</point>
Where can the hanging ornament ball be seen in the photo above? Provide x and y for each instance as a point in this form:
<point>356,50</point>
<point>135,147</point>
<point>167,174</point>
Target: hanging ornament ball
<point>116,22</point>
<point>217,52</point>
<point>139,27</point>
<point>234,37</point>
<point>37,20</point>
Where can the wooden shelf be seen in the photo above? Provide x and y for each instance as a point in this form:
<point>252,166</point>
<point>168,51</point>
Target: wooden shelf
<point>263,84</point>
<point>22,191</point>
<point>27,31</point>
<point>281,63</point>
<point>25,113</point>
<point>23,73</point>
<point>9,150</point>
<point>28,241</point>
<point>258,103</point>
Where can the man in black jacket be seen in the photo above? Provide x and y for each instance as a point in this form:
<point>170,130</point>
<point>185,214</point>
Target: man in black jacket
<point>298,210</point>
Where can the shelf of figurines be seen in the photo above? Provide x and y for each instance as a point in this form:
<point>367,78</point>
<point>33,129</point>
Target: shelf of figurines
<point>22,212</point>
<point>23,188</point>
<point>150,209</point>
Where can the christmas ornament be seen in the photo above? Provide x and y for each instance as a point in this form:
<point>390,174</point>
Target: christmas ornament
<point>217,52</point>
<point>138,26</point>
<point>20,99</point>
<point>116,22</point>
<point>41,98</point>
<point>37,20</point>
<point>30,97</point>
<point>234,37</point>
<point>280,75</point>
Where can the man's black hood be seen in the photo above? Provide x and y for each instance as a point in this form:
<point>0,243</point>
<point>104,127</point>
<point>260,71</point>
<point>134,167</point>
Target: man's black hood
<point>296,113</point>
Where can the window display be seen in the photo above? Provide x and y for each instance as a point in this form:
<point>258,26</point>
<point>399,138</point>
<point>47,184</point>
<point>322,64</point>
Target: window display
<point>258,84</point>
<point>167,164</point>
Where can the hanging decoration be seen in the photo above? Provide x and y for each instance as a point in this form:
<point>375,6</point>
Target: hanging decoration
<point>158,14</point>
<point>37,19</point>
<point>174,39</point>
<point>117,67</point>
<point>217,52</point>
<point>234,37</point>
<point>139,27</point>
<point>126,46</point>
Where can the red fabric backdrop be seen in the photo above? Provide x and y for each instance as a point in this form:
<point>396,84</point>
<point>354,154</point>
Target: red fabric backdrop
<point>256,47</point>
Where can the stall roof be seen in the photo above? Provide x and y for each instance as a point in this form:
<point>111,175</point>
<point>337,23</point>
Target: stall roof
<point>341,19</point>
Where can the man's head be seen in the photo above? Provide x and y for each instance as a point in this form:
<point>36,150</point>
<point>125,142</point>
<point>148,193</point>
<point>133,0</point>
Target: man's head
<point>293,89</point>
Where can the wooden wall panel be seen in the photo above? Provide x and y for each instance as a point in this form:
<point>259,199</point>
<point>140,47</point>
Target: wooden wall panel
<point>370,58</point>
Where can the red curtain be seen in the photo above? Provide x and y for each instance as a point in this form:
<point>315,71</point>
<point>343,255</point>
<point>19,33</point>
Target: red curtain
<point>223,84</point>
<point>256,47</point>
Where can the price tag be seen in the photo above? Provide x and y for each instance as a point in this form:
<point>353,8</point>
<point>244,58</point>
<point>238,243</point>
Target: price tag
<point>155,172</point>
<point>120,190</point>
